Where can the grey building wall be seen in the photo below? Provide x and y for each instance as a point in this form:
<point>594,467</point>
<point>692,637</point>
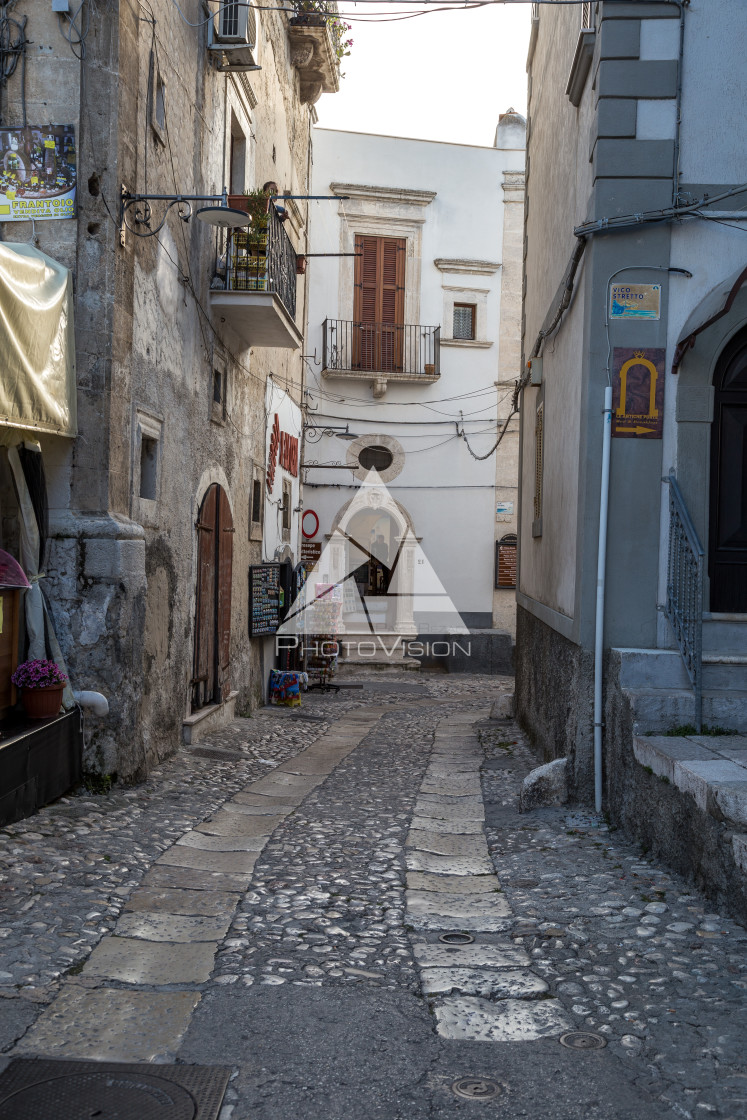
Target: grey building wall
<point>586,162</point>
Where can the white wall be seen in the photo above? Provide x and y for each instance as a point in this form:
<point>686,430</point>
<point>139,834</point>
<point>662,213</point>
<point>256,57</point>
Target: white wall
<point>449,495</point>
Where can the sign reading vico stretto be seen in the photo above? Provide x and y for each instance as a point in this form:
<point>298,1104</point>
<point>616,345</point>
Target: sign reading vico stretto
<point>635,301</point>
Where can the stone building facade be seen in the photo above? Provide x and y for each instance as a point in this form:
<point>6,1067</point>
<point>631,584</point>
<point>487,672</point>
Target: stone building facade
<point>174,357</point>
<point>634,274</point>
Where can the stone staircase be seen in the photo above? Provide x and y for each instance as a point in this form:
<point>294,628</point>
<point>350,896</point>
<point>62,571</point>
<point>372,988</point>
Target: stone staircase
<point>381,651</point>
<point>659,691</point>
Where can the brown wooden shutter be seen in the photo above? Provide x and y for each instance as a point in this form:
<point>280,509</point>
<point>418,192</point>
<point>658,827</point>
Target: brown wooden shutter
<point>380,300</point>
<point>225,576</point>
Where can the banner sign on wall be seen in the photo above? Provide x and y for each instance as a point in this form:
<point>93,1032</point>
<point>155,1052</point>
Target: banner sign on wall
<point>638,392</point>
<point>38,173</point>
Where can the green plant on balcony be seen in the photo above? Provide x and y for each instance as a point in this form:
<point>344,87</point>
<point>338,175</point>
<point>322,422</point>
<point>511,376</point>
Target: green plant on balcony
<point>318,13</point>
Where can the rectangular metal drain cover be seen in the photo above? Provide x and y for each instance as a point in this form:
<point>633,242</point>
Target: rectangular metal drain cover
<point>38,1089</point>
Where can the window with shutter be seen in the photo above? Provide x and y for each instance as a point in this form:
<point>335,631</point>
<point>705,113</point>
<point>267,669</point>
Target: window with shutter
<point>538,467</point>
<point>379,303</point>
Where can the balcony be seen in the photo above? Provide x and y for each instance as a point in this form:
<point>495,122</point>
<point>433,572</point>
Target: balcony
<point>254,290</point>
<point>315,31</point>
<point>381,352</point>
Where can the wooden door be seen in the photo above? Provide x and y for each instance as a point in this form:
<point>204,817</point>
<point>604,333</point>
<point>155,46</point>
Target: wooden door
<point>728,517</point>
<point>379,304</point>
<point>211,672</point>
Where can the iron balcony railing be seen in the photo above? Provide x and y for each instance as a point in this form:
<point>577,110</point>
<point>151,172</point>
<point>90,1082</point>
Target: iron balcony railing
<point>684,605</point>
<point>263,260</point>
<point>383,348</point>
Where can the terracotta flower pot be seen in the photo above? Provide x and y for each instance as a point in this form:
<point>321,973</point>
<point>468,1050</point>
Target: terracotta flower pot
<point>42,703</point>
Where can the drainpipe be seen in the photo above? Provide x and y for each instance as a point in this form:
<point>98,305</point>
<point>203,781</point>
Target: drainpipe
<point>601,566</point>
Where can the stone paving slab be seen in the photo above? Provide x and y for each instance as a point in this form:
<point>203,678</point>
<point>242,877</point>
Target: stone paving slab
<point>443,810</point>
<point>204,842</point>
<point>445,844</point>
<point>469,956</point>
<point>452,884</point>
<point>472,1019</point>
<point>236,862</point>
<point>511,983</point>
<point>239,824</point>
<point>448,865</point>
<point>466,907</point>
<point>110,1024</point>
<point>160,875</point>
<point>175,901</point>
<point>318,764</point>
<point>449,787</point>
<point>277,783</point>
<point>249,805</point>
<point>147,962</point>
<point>173,927</point>
<point>421,822</point>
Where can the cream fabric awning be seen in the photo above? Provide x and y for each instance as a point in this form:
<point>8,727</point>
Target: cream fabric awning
<point>37,342</point>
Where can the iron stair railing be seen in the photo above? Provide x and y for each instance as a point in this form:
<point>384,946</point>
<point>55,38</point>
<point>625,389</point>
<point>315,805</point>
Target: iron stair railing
<point>684,602</point>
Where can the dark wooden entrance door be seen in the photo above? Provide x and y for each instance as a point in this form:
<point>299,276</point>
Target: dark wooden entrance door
<point>728,527</point>
<point>211,673</point>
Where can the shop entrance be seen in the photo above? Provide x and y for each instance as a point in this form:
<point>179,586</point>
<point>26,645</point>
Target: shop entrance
<point>211,676</point>
<point>728,518</point>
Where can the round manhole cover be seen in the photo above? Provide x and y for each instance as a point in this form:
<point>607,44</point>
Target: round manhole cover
<point>583,1040</point>
<point>101,1096</point>
<point>476,1088</point>
<point>456,938</point>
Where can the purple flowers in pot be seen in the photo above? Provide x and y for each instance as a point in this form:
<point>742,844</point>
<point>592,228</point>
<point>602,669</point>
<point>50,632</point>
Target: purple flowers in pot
<point>38,674</point>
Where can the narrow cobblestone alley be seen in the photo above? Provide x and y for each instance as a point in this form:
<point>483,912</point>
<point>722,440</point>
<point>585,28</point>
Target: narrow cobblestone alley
<point>273,900</point>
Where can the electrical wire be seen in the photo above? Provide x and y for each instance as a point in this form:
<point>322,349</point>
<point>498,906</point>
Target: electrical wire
<point>76,35</point>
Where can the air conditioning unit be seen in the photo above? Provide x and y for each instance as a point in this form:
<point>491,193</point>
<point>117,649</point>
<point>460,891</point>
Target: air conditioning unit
<point>233,33</point>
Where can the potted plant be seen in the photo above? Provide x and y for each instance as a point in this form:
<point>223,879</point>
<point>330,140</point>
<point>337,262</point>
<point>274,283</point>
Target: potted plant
<point>42,684</point>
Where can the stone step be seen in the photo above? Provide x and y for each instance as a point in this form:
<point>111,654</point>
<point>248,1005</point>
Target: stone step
<point>711,768</point>
<point>724,670</point>
<point>354,666</point>
<point>661,709</point>
<point>725,631</point>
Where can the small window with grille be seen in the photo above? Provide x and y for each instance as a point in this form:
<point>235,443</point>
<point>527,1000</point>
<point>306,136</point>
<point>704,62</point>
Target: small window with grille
<point>286,510</point>
<point>464,320</point>
<point>538,468</point>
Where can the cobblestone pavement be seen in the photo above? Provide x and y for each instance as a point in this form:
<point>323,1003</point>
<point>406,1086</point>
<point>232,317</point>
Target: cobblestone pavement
<point>307,886</point>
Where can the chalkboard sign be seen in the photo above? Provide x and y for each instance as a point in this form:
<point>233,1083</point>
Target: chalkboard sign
<point>505,561</point>
<point>265,599</point>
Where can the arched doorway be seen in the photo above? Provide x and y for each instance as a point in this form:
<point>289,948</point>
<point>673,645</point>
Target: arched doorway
<point>727,554</point>
<point>211,668</point>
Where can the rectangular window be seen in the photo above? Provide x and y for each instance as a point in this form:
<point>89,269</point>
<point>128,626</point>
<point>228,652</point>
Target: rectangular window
<point>464,320</point>
<point>237,159</point>
<point>148,468</point>
<point>219,395</point>
<point>286,510</point>
<point>256,501</point>
<point>538,469</point>
<point>379,303</point>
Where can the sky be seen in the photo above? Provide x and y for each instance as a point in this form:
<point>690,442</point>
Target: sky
<point>446,75</point>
